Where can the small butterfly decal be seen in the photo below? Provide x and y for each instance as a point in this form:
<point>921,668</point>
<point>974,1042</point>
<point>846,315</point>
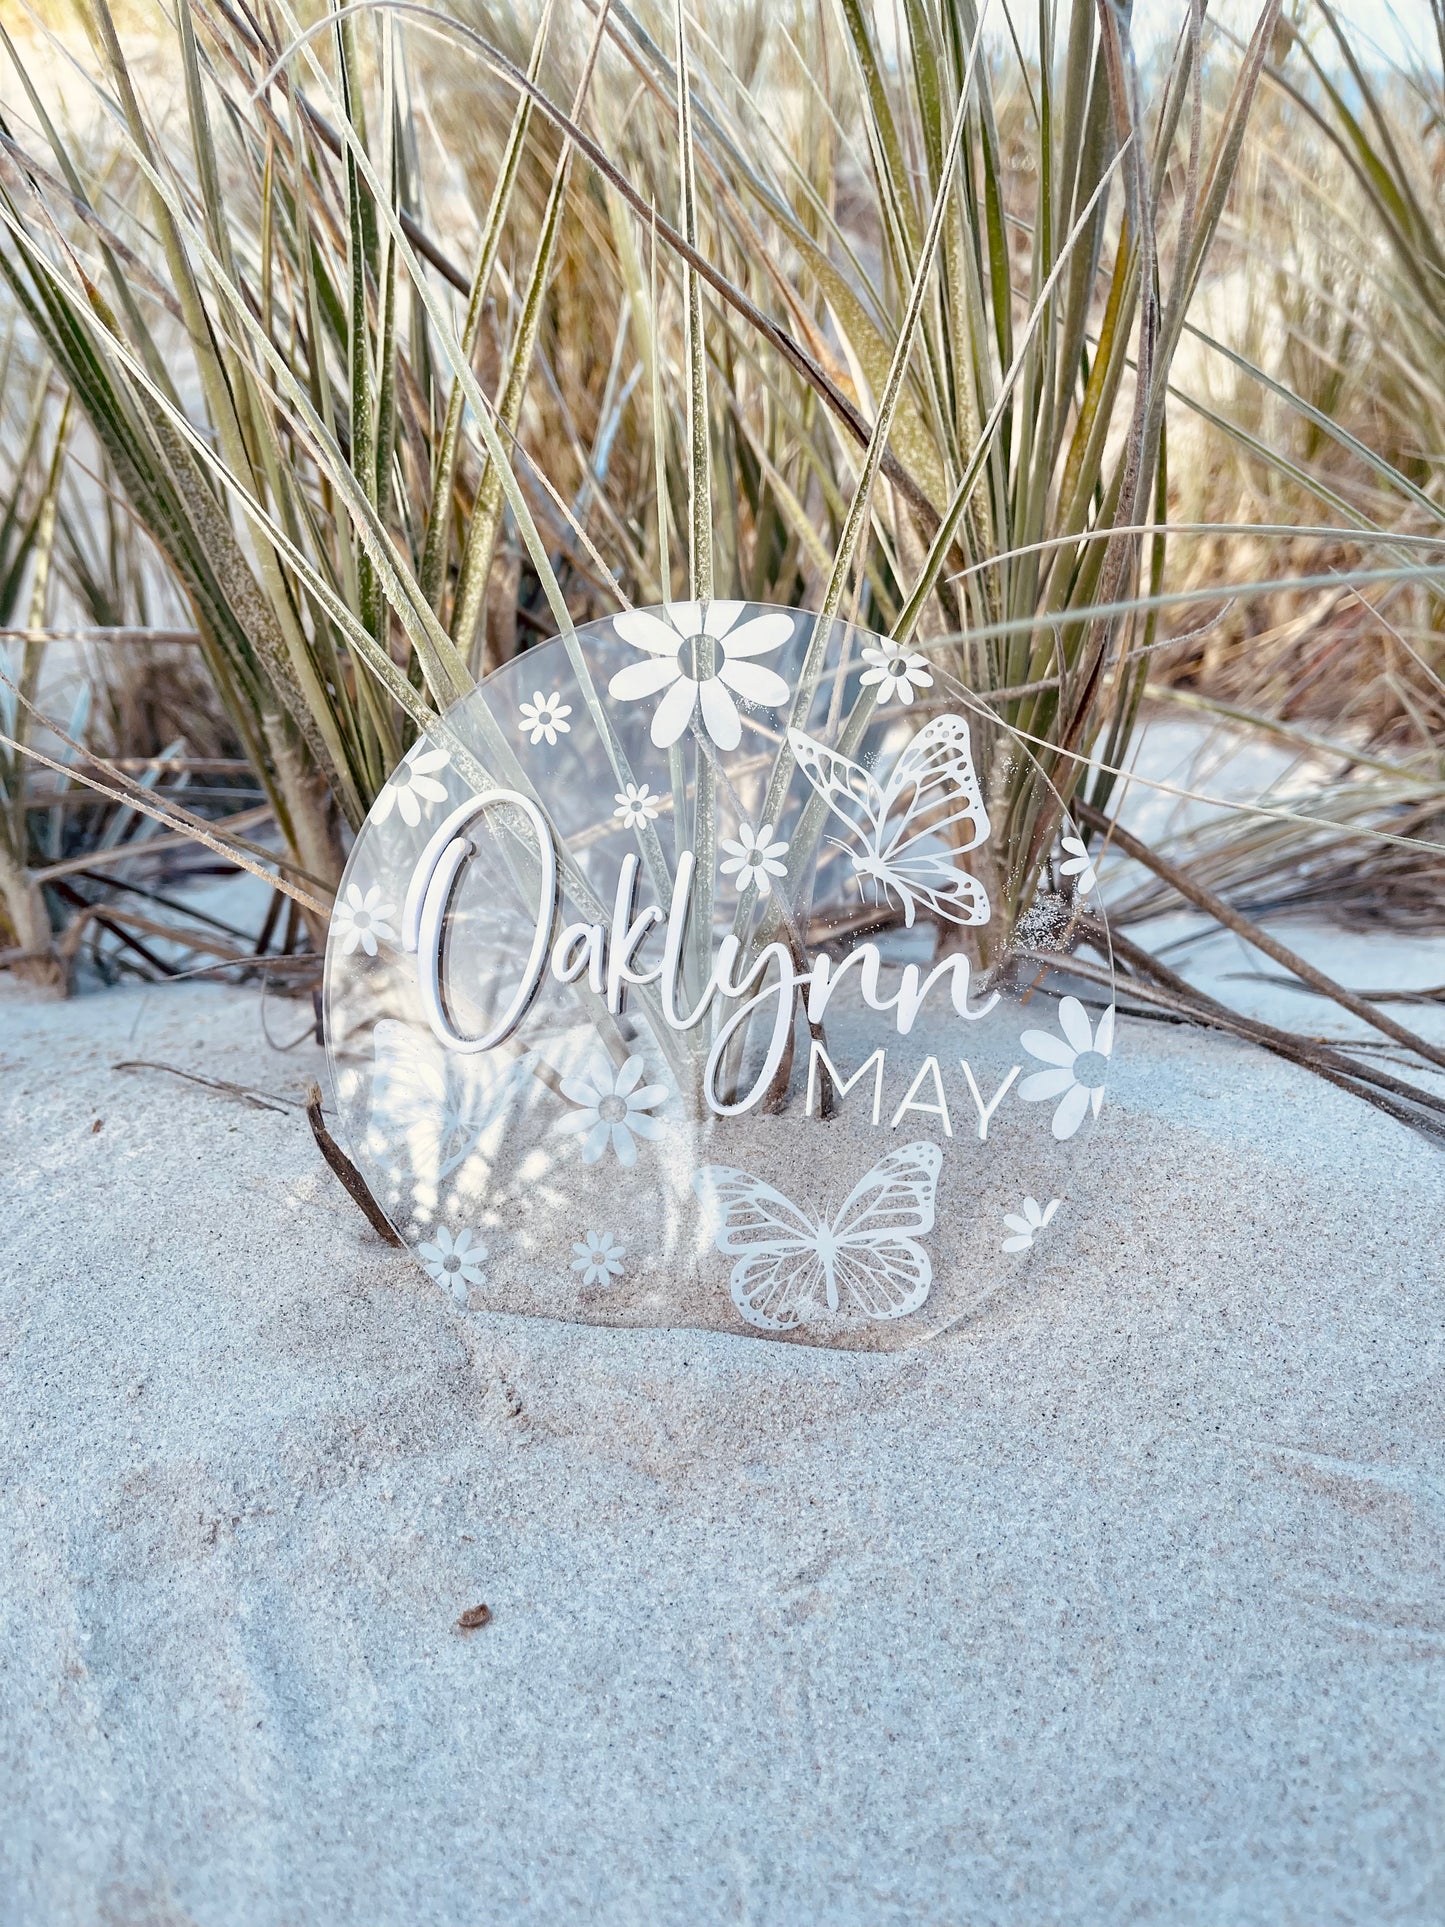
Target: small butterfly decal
<point>863,1261</point>
<point>898,828</point>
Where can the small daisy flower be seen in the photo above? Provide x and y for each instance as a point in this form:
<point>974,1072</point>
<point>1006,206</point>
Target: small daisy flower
<point>702,656</point>
<point>599,1258</point>
<point>1027,1224</point>
<point>636,805</point>
<point>895,671</point>
<point>1080,864</point>
<point>1079,1062</point>
<point>454,1262</point>
<point>545,717</point>
<point>412,787</point>
<point>362,920</point>
<point>754,858</point>
<point>612,1109</point>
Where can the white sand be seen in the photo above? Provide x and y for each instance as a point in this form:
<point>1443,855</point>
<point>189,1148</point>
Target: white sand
<point>1124,1603</point>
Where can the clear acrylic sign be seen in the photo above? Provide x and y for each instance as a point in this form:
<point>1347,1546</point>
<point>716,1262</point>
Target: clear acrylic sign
<point>686,977</point>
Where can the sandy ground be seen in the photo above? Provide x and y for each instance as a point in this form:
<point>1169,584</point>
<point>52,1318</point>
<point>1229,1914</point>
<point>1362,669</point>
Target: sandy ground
<point>1125,1602</point>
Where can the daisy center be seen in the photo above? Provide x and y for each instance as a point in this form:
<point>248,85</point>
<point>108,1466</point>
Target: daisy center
<point>1091,1068</point>
<point>451,1262</point>
<point>699,658</point>
<point>612,1110</point>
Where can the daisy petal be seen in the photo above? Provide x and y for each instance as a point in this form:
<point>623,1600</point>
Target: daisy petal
<point>754,683</point>
<point>674,712</point>
<point>581,1090</point>
<point>643,679</point>
<point>574,1122</point>
<point>1020,1243</point>
<point>649,1095</point>
<point>596,1141</point>
<point>1053,1050</point>
<point>719,715</point>
<point>1070,1114</point>
<point>1074,1023</point>
<point>623,1145</point>
<point>647,632</point>
<point>643,1125</point>
<point>720,618</point>
<point>628,1076</point>
<point>1104,1035</point>
<point>1047,1084</point>
<point>757,637</point>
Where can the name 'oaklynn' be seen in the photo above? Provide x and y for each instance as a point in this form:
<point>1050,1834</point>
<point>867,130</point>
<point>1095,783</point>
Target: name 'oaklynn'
<point>609,960</point>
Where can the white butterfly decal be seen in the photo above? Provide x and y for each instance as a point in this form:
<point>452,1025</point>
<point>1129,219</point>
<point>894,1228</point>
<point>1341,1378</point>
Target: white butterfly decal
<point>433,1105</point>
<point>899,827</point>
<point>864,1261</point>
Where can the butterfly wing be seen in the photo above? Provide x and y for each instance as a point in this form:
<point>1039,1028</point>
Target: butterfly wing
<point>879,1267</point>
<point>933,809</point>
<point>851,792</point>
<point>433,1104</point>
<point>779,1281</point>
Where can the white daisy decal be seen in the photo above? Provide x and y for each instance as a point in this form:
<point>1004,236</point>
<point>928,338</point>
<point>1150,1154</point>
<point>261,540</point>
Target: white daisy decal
<point>545,717</point>
<point>701,657</point>
<point>1079,864</point>
<point>754,858</point>
<point>412,787</point>
<point>636,805</point>
<point>454,1262</point>
<point>1079,1063</point>
<point>1026,1223</point>
<point>361,920</point>
<point>599,1258</point>
<point>612,1108</point>
<point>895,672</point>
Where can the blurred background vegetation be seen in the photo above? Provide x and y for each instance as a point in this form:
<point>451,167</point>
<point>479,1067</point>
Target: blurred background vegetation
<point>348,353</point>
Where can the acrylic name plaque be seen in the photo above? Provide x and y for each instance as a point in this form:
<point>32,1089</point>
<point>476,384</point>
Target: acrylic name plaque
<point>685,977</point>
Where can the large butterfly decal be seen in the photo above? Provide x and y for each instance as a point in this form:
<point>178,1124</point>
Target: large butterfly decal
<point>899,828</point>
<point>865,1261</point>
<point>431,1103</point>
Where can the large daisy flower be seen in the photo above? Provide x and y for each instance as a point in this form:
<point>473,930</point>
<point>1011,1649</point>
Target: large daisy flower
<point>612,1108</point>
<point>1079,1062</point>
<point>702,656</point>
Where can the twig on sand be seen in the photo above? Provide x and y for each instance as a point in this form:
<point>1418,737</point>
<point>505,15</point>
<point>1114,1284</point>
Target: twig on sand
<point>350,1177</point>
<point>260,1100</point>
